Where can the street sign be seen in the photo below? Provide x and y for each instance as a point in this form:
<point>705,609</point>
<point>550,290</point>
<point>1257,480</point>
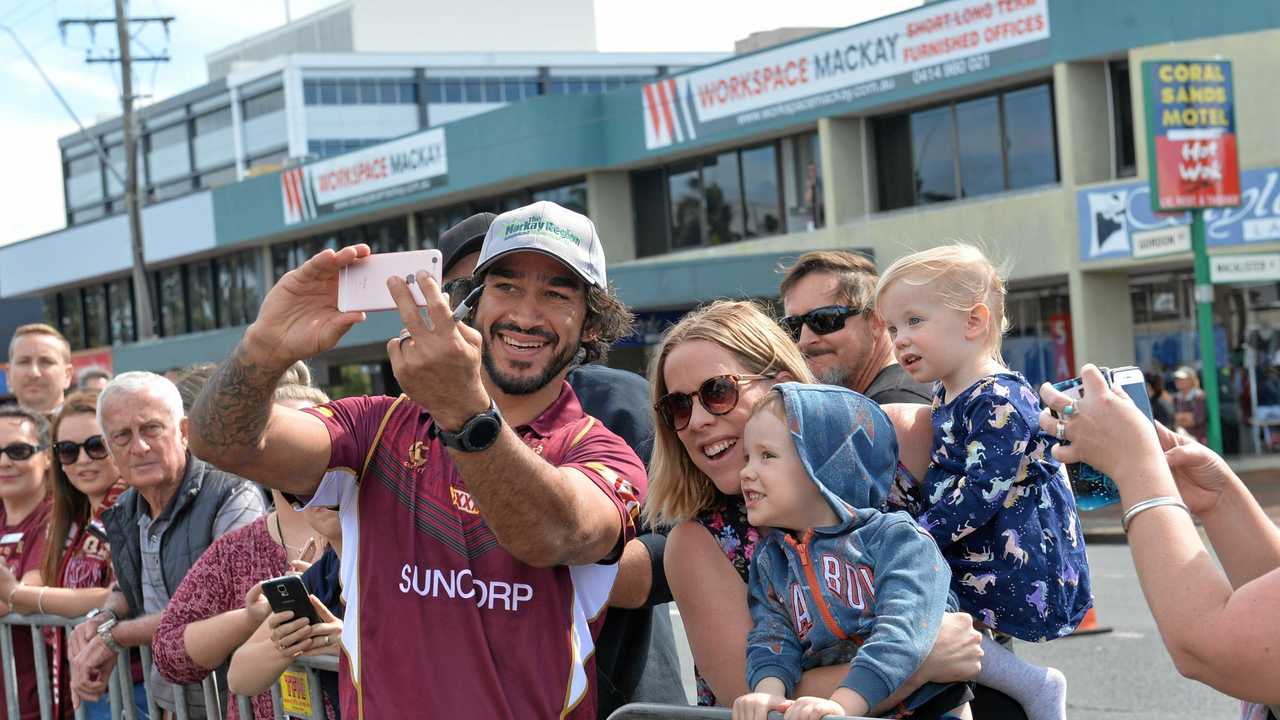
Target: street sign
<point>1255,267</point>
<point>1191,134</point>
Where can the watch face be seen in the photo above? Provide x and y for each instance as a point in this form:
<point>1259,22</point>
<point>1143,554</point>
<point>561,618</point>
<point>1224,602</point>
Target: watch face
<point>483,433</point>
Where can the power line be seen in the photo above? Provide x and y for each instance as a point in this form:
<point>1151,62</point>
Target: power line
<point>65,105</point>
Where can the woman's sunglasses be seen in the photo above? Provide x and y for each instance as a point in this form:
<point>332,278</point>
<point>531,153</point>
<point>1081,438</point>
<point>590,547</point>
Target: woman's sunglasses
<point>69,452</point>
<point>20,451</point>
<point>822,321</point>
<point>718,395</point>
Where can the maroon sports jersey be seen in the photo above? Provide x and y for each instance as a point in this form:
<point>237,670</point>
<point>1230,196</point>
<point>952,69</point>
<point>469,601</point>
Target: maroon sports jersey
<point>22,549</point>
<point>440,619</point>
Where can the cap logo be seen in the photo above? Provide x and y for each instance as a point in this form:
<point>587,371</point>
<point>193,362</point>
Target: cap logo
<point>540,225</point>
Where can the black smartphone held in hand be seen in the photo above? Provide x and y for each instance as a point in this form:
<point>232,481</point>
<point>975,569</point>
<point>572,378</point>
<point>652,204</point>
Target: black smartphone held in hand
<point>288,593</point>
<point>1094,489</point>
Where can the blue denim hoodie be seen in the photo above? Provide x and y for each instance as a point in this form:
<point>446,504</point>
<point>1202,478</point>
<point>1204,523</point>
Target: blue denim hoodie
<point>872,588</point>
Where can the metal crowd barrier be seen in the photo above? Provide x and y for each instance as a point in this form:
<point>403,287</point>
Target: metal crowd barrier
<point>652,711</point>
<point>120,685</point>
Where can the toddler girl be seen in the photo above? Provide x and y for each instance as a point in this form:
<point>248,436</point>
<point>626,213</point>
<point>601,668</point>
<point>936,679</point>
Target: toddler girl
<point>994,499</point>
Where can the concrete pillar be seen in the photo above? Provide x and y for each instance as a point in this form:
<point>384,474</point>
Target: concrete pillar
<point>1083,122</point>
<point>609,207</point>
<point>846,171</point>
<point>1101,318</point>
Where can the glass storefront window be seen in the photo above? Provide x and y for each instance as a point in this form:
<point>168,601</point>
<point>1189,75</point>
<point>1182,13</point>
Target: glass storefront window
<point>172,301</point>
<point>933,142</point>
<point>237,287</point>
<point>572,196</point>
<point>71,322</point>
<point>981,161</point>
<point>807,177</point>
<point>200,283</point>
<point>120,300</point>
<point>761,191</point>
<point>685,189</point>
<point>1029,137</point>
<point>996,142</point>
<point>1038,343</point>
<point>725,220</point>
<point>95,315</point>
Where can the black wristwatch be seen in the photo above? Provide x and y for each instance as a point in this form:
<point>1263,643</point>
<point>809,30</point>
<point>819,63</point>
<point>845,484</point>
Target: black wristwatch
<point>478,433</point>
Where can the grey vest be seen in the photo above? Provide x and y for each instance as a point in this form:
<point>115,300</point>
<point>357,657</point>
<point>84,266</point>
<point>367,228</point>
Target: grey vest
<point>191,511</point>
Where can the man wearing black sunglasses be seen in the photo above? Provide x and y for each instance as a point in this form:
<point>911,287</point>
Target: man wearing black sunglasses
<point>827,296</point>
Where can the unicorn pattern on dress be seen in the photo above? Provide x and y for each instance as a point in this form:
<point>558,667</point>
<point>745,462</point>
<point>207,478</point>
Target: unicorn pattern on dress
<point>1000,508</point>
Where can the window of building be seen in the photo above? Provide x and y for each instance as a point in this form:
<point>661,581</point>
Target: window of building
<point>169,190</point>
<point>572,196</point>
<point>1126,160</point>
<point>264,104</point>
<point>213,144</point>
<point>709,201</point>
<point>84,180</point>
<point>983,145</point>
<point>202,296</point>
<point>95,316</point>
<point>238,291</point>
<point>216,178</point>
<point>762,191</point>
<point>171,296</point>
<point>386,236</point>
<point>88,214</point>
<point>120,304</point>
<point>805,196</point>
<point>360,91</point>
<point>71,317</point>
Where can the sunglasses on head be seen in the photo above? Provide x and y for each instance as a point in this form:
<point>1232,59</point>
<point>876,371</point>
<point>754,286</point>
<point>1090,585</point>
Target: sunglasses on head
<point>718,396</point>
<point>69,452</point>
<point>822,321</point>
<point>20,451</point>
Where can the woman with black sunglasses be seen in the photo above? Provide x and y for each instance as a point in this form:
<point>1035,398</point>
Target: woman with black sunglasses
<point>75,573</point>
<point>24,515</point>
<point>709,370</point>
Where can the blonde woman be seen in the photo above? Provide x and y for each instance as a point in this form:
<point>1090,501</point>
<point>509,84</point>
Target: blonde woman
<point>708,372</point>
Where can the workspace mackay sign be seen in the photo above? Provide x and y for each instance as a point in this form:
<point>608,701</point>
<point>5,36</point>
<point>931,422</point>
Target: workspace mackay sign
<point>914,48</point>
<point>380,172</point>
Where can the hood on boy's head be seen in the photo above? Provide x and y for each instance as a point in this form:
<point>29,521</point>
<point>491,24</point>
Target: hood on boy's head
<point>845,441</point>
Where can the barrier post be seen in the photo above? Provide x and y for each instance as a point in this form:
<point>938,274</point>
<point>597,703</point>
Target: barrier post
<point>41,659</point>
<point>124,675</point>
<point>153,708</point>
<point>245,706</point>
<point>212,703</point>
<point>10,672</point>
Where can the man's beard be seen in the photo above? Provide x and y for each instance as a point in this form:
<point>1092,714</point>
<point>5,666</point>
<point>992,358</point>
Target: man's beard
<point>524,385</point>
<point>833,375</point>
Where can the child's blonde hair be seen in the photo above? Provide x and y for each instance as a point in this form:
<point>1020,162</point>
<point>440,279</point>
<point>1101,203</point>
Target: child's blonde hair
<point>771,402</point>
<point>962,276</point>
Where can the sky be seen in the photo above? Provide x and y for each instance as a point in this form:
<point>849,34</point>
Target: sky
<point>32,120</point>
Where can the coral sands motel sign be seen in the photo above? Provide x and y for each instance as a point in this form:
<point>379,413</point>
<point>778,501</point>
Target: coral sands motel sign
<point>1192,134</point>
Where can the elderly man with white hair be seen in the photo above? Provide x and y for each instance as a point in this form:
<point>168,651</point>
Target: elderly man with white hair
<point>176,505</point>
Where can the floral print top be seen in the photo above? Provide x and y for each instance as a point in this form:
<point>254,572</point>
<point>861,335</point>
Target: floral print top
<point>727,523</point>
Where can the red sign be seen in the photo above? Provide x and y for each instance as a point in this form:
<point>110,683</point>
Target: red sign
<point>1063,351</point>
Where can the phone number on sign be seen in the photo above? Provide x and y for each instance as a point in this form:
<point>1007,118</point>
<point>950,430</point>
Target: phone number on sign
<point>951,68</point>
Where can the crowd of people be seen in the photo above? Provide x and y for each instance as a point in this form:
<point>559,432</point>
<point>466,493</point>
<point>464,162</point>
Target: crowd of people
<point>856,508</point>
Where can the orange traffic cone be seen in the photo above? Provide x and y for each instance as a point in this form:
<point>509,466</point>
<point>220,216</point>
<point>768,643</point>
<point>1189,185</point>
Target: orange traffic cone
<point>1090,626</point>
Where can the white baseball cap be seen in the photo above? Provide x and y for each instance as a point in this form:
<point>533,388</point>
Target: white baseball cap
<point>552,230</point>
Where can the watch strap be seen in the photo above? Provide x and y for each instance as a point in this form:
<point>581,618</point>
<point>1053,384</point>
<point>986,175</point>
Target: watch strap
<point>104,632</point>
<point>461,440</point>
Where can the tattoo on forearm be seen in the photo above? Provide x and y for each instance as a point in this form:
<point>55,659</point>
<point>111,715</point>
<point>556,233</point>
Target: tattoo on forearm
<point>233,409</point>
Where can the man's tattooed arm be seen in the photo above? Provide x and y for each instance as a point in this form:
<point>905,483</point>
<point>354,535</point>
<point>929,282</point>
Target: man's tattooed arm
<point>230,415</point>
<point>235,426</point>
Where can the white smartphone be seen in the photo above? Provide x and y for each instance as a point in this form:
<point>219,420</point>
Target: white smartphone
<point>362,285</point>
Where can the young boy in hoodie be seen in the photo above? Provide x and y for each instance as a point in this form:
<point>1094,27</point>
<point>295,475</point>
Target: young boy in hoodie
<point>836,581</point>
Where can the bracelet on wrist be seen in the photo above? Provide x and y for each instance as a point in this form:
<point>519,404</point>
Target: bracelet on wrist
<point>9,600</point>
<point>1145,505</point>
<point>40,600</point>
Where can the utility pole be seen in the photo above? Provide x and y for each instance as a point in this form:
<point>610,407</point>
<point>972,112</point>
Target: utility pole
<point>142,288</point>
